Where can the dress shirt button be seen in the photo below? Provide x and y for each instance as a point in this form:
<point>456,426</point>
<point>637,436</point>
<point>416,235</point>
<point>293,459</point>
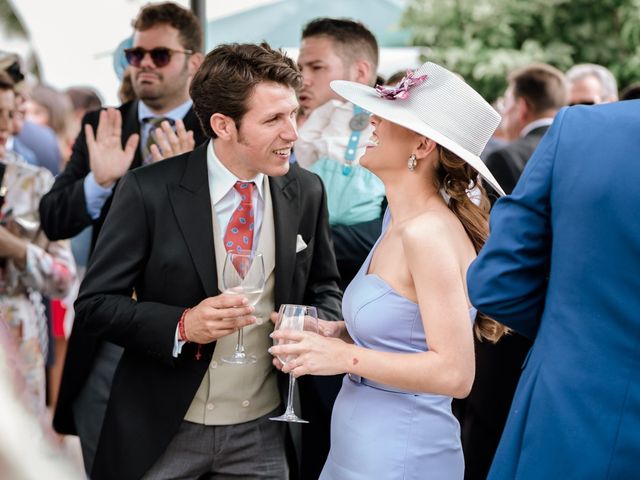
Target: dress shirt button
<point>214,364</point>
<point>245,403</point>
<point>210,406</point>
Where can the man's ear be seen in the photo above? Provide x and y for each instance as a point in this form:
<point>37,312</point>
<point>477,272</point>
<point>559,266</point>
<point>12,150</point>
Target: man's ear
<point>223,126</point>
<point>524,111</point>
<point>195,60</point>
<point>362,71</point>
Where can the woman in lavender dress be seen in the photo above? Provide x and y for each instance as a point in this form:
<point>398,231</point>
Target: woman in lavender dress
<point>407,339</point>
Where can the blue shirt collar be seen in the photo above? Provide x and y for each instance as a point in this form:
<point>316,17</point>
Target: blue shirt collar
<point>177,113</point>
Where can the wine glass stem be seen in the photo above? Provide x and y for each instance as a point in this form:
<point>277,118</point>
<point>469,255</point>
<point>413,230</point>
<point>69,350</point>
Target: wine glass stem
<point>240,344</point>
<point>292,382</point>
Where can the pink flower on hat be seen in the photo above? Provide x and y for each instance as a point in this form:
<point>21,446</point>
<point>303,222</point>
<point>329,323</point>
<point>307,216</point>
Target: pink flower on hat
<point>402,90</point>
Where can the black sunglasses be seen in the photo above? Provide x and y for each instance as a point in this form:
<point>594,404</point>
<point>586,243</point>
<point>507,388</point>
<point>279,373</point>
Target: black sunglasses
<point>582,103</point>
<point>160,56</point>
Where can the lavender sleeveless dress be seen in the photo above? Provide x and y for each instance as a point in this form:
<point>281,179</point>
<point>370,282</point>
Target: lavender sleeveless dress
<point>379,431</point>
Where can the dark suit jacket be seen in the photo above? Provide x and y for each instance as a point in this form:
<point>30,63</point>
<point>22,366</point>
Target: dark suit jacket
<point>63,214</point>
<point>506,163</point>
<point>484,413</point>
<point>158,239</point>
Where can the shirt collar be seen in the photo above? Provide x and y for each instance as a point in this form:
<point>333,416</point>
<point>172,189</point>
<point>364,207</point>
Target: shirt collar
<point>223,179</point>
<point>541,122</point>
<point>177,113</point>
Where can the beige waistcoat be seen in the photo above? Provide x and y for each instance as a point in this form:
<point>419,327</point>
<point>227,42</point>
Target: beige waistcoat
<point>231,394</point>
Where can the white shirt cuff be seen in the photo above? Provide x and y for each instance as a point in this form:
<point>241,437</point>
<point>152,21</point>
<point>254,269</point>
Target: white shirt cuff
<point>177,345</point>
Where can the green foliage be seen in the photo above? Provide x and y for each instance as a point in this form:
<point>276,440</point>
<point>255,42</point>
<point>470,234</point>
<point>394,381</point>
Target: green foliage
<point>484,40</point>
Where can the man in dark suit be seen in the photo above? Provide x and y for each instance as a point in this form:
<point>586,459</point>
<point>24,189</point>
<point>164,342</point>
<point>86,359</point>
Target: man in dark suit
<point>165,55</point>
<point>534,95</point>
<point>176,410</point>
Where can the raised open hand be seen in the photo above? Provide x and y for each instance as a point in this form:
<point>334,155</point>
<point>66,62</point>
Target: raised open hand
<point>170,143</point>
<point>107,159</point>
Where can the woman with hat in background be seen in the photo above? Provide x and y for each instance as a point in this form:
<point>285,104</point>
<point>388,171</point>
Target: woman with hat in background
<point>407,339</point>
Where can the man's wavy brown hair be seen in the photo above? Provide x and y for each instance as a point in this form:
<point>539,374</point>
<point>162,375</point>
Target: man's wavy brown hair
<point>226,79</point>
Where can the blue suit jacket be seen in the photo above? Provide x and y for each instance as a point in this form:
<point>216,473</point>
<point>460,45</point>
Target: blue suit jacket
<point>562,266</point>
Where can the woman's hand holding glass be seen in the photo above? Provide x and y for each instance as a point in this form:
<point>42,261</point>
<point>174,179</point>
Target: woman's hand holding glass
<point>311,353</point>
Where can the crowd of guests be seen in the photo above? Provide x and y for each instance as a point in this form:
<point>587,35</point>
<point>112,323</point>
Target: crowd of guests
<point>452,354</point>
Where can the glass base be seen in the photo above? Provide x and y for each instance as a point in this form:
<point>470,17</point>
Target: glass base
<point>239,359</point>
<point>289,417</point>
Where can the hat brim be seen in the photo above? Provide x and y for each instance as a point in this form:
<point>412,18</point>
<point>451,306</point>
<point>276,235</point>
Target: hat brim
<point>394,111</point>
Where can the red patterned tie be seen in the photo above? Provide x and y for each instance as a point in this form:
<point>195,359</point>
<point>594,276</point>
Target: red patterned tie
<point>239,234</point>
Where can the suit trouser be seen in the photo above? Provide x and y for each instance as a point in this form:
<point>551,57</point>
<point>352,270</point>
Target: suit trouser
<point>249,451</point>
<point>90,406</point>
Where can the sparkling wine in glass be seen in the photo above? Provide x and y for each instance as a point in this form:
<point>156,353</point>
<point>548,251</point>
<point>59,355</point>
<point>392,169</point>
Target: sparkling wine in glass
<point>243,274</point>
<point>298,318</point>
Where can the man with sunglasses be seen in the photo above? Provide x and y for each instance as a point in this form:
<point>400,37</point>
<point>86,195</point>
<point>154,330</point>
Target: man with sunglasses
<point>166,53</point>
<point>591,84</point>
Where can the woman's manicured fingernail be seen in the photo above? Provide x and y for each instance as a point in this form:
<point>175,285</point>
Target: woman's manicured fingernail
<point>269,349</point>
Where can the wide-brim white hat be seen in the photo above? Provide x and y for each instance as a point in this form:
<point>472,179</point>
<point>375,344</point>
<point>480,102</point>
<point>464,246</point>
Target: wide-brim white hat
<point>442,107</point>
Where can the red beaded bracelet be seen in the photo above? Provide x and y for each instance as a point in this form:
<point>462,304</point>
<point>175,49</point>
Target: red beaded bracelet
<point>181,332</point>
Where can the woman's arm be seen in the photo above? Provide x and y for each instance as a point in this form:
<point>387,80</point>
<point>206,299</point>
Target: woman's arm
<point>50,270</point>
<point>447,368</point>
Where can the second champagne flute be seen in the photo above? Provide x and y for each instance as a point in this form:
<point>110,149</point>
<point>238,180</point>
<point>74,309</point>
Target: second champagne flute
<point>243,274</point>
<point>298,318</point>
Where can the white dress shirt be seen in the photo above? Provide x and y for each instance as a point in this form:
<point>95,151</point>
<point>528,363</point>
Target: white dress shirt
<point>224,200</point>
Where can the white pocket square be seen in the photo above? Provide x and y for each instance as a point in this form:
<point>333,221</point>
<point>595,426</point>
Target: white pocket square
<point>300,244</point>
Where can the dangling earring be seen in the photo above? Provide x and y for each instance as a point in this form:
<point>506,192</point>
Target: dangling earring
<point>412,162</point>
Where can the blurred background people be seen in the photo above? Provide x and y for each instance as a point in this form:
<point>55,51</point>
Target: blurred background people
<point>52,108</point>
<point>30,265</point>
<point>28,449</point>
<point>533,96</point>
<point>83,100</point>
<point>590,84</point>
<point>37,144</point>
<point>631,92</point>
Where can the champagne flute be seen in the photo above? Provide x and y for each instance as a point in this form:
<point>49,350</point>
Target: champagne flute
<point>243,274</point>
<point>298,318</point>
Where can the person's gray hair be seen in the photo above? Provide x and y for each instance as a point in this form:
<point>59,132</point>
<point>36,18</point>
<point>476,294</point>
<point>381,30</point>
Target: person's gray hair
<point>603,74</point>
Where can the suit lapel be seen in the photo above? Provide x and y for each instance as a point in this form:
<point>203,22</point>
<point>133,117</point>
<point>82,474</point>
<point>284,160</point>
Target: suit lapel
<point>286,212</point>
<point>191,204</point>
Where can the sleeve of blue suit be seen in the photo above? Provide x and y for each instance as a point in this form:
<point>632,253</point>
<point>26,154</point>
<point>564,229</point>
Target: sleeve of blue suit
<point>508,280</point>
